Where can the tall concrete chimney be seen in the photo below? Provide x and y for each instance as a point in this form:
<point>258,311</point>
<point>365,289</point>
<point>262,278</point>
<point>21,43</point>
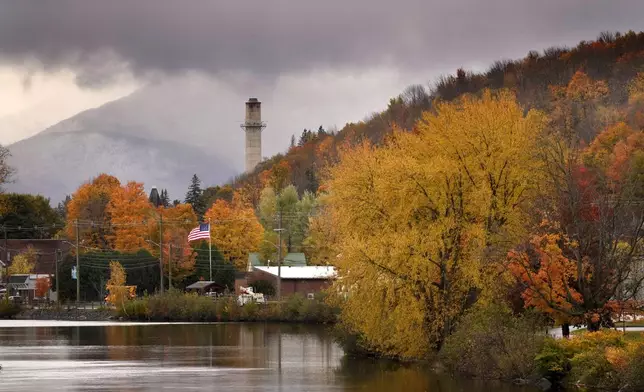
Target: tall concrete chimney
<point>253,127</point>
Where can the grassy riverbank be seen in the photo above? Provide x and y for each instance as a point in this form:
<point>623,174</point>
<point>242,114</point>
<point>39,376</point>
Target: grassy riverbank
<point>177,306</point>
<point>8,309</point>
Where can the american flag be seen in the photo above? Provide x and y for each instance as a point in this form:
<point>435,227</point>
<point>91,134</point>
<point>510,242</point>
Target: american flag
<point>199,233</point>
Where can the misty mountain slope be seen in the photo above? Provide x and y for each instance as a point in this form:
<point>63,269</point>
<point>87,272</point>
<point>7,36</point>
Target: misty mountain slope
<point>192,109</point>
<point>55,164</point>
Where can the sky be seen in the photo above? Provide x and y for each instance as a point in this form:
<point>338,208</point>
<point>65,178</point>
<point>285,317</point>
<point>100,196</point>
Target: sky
<point>58,58</point>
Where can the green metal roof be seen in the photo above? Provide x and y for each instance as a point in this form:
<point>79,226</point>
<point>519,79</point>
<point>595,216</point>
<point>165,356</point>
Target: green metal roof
<point>295,259</point>
<point>291,259</point>
<point>253,259</point>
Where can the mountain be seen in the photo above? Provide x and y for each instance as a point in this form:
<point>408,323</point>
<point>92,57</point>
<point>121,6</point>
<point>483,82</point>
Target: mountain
<point>161,135</point>
<point>56,164</point>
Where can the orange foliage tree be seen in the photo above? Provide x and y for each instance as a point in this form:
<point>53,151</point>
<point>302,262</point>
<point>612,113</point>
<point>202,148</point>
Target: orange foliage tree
<point>178,257</point>
<point>235,229</point>
<point>549,277</point>
<point>179,217</point>
<point>177,223</point>
<point>129,209</point>
<point>89,209</point>
<point>42,286</point>
<point>575,106</point>
<point>589,260</point>
<point>279,176</point>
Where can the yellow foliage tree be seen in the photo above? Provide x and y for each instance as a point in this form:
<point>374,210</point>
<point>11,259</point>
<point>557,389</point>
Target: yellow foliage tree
<point>129,209</point>
<point>235,230</point>
<point>418,220</point>
<point>322,236</point>
<point>118,291</point>
<point>23,263</point>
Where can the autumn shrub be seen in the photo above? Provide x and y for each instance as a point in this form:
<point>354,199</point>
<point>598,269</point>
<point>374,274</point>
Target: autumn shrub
<point>634,376</point>
<point>292,308</point>
<point>553,361</point>
<point>8,309</point>
<point>597,360</point>
<point>136,309</point>
<point>491,342</point>
<point>250,312</point>
<point>593,369</point>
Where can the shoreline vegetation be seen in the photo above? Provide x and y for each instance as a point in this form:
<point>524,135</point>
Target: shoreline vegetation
<point>177,306</point>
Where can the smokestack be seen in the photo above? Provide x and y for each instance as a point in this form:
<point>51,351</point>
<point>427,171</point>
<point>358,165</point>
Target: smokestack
<point>253,127</point>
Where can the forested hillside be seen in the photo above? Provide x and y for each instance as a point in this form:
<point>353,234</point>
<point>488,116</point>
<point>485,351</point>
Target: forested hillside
<point>581,88</point>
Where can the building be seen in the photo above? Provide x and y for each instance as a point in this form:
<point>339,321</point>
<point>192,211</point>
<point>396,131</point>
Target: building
<point>305,280</point>
<point>24,286</point>
<point>46,251</point>
<point>253,127</point>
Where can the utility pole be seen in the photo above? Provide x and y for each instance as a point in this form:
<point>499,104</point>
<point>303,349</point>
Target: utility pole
<point>6,249</point>
<point>77,266</point>
<point>279,257</point>
<point>57,278</point>
<point>210,249</point>
<point>170,268</point>
<point>161,251</point>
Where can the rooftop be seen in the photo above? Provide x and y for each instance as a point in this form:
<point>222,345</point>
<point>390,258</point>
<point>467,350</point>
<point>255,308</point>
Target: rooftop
<point>202,284</point>
<point>302,272</point>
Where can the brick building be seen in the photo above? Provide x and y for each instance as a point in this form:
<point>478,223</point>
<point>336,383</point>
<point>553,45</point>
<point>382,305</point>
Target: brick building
<point>305,280</point>
<point>45,250</point>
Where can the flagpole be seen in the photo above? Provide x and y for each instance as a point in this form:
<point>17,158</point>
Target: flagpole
<point>210,249</point>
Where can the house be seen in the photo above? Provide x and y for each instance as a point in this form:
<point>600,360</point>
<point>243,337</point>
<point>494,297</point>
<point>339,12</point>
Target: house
<point>24,286</point>
<point>305,280</point>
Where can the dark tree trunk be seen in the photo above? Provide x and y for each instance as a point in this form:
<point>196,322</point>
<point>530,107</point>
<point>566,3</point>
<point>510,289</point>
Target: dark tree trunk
<point>565,330</point>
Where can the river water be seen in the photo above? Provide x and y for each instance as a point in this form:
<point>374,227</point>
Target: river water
<point>236,357</point>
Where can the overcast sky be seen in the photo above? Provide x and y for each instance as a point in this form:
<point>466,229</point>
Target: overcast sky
<point>60,57</point>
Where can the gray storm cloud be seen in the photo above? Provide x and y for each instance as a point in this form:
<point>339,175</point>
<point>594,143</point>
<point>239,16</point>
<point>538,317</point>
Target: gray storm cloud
<point>270,37</point>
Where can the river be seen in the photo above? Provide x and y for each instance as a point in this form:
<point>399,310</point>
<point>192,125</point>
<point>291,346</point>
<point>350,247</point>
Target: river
<point>70,356</point>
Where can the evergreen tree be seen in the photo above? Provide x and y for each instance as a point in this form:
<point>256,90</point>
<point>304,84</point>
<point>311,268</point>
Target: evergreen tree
<point>165,199</point>
<point>193,197</point>
<point>61,209</point>
<point>307,136</point>
<point>312,183</point>
<point>292,141</point>
<point>176,202</point>
<point>321,131</point>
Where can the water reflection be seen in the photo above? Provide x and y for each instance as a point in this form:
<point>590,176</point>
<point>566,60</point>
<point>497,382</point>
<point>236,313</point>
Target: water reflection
<point>244,357</point>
